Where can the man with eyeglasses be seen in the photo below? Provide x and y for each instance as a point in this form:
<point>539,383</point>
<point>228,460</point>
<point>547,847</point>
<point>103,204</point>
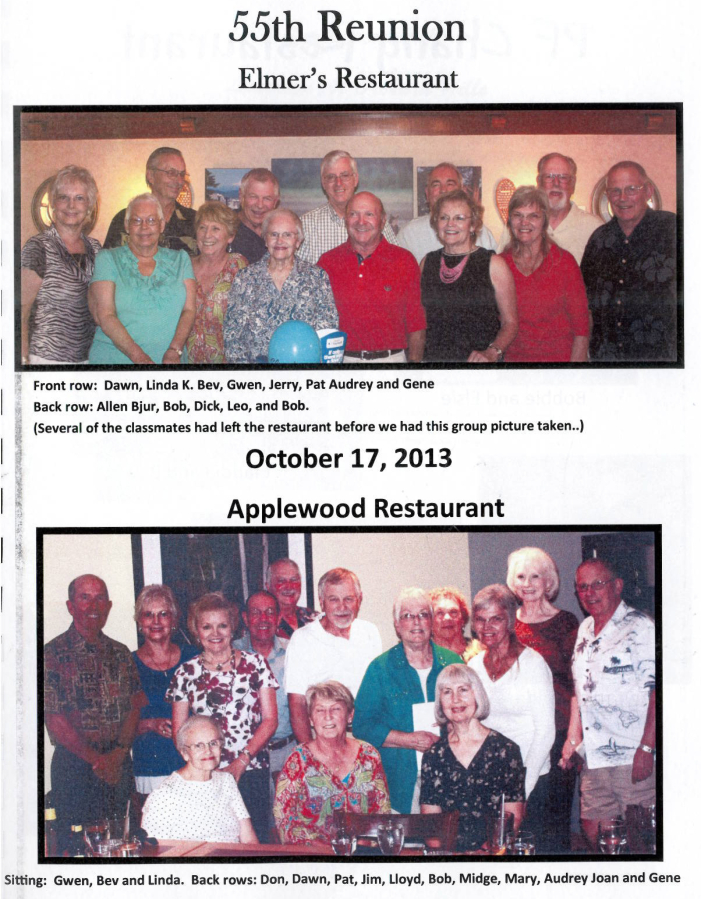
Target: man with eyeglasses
<point>92,702</point>
<point>325,226</point>
<point>612,724</point>
<point>418,236</point>
<point>394,708</point>
<point>630,272</point>
<point>166,175</point>
<point>261,618</point>
<point>338,646</point>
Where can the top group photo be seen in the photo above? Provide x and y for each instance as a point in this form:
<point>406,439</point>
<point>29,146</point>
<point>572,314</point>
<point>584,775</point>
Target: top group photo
<point>445,236</point>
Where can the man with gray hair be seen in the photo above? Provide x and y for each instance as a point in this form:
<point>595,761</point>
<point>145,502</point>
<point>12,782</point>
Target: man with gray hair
<point>339,646</point>
<point>165,175</point>
<point>259,194</point>
<point>418,236</point>
<point>325,226</point>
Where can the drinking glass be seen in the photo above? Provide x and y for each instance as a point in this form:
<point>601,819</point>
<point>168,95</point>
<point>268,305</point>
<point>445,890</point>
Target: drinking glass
<point>390,838</point>
<point>344,843</point>
<point>612,838</point>
<point>95,833</point>
<point>499,829</point>
<point>522,844</point>
<point>110,848</point>
<point>130,849</point>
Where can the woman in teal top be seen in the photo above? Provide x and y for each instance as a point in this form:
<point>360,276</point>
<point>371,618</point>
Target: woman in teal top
<point>142,296</point>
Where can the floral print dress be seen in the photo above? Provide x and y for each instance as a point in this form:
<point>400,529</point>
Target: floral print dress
<point>232,698</point>
<point>205,345</point>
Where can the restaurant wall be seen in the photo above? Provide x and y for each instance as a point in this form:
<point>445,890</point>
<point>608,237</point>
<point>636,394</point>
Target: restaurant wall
<point>118,165</point>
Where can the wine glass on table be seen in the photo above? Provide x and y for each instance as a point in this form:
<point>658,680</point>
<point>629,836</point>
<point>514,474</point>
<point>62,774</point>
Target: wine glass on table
<point>390,838</point>
<point>612,836</point>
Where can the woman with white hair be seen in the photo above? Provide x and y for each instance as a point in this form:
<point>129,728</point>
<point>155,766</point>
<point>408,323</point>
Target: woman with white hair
<point>198,802</point>
<point>533,577</point>
<point>395,687</point>
<point>56,269</point>
<point>142,295</point>
<point>471,769</point>
<point>274,290</point>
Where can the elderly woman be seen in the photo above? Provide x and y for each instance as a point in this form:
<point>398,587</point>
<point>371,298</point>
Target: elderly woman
<point>215,269</point>
<point>274,290</point>
<point>450,617</point>
<point>198,802</point>
<point>56,269</point>
<point>519,686</point>
<point>237,689</point>
<point>553,315</point>
<point>142,296</point>
<point>534,579</point>
<point>467,291</point>
<point>332,772</point>
<point>471,769</point>
<point>394,705</point>
<point>154,754</point>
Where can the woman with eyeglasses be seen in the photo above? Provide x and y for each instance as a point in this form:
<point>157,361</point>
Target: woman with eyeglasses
<point>467,291</point>
<point>553,313</point>
<point>199,802</point>
<point>394,706</point>
<point>156,615</point>
<point>237,689</point>
<point>142,295</point>
<point>275,290</point>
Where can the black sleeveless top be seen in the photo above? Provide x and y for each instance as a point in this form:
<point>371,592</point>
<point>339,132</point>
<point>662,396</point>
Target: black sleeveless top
<point>462,316</point>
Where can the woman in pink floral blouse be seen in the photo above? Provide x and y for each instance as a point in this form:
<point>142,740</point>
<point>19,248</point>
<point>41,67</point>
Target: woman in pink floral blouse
<point>237,689</point>
<point>334,771</point>
<point>215,268</point>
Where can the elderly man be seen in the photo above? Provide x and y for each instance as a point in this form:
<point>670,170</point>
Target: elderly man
<point>261,618</point>
<point>339,646</point>
<point>165,175</point>
<point>259,194</point>
<point>325,226</point>
<point>613,710</point>
<point>630,272</point>
<point>394,708</point>
<point>92,699</point>
<point>418,236</point>
<point>377,289</point>
<point>284,581</point>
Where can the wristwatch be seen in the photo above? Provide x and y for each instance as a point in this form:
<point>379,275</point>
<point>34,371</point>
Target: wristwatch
<point>646,748</point>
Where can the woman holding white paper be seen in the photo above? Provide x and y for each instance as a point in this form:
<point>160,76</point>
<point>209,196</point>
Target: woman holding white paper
<point>394,705</point>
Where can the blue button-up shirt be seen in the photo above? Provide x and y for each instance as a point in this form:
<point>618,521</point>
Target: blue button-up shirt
<point>276,660</point>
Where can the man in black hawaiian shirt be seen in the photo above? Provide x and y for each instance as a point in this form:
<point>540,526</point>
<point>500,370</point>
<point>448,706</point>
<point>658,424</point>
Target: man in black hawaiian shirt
<point>629,268</point>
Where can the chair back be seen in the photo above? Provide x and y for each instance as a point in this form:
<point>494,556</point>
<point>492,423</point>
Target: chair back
<point>435,831</point>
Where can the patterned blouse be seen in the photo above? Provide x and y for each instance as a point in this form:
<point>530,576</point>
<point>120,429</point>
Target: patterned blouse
<point>61,327</point>
<point>232,698</point>
<point>308,793</point>
<point>496,769</point>
<point>205,345</point>
<point>256,308</point>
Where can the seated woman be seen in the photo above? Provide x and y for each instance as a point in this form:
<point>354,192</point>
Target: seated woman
<point>333,771</point>
<point>471,767</point>
<point>519,685</point>
<point>215,269</point>
<point>198,802</point>
<point>553,314</point>
<point>274,290</point>
<point>467,291</point>
<point>142,296</point>
<point>450,617</point>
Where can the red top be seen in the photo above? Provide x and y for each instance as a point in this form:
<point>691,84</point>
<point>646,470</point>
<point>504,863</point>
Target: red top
<point>552,309</point>
<point>378,299</point>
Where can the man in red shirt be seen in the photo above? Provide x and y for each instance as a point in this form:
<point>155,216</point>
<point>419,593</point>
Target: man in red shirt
<point>377,289</point>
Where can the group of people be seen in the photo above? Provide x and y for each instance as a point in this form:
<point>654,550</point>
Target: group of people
<point>171,285</point>
<point>303,715</point>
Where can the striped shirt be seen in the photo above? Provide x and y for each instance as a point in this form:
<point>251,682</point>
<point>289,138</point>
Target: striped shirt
<point>324,230</point>
<point>61,327</point>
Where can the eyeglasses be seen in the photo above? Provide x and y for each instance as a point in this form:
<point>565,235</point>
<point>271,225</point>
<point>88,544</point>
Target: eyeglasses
<point>263,613</point>
<point>614,193</point>
<point>596,586</point>
<point>163,614</point>
<point>172,173</point>
<point>150,221</point>
<point>285,235</point>
<point>551,177</point>
<point>412,616</point>
<point>460,219</point>
<point>201,747</point>
<point>344,178</point>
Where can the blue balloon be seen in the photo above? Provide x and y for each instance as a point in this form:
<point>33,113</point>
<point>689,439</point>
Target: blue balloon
<point>294,341</point>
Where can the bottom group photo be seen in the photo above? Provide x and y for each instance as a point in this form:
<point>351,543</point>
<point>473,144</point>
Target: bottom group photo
<point>452,693</point>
